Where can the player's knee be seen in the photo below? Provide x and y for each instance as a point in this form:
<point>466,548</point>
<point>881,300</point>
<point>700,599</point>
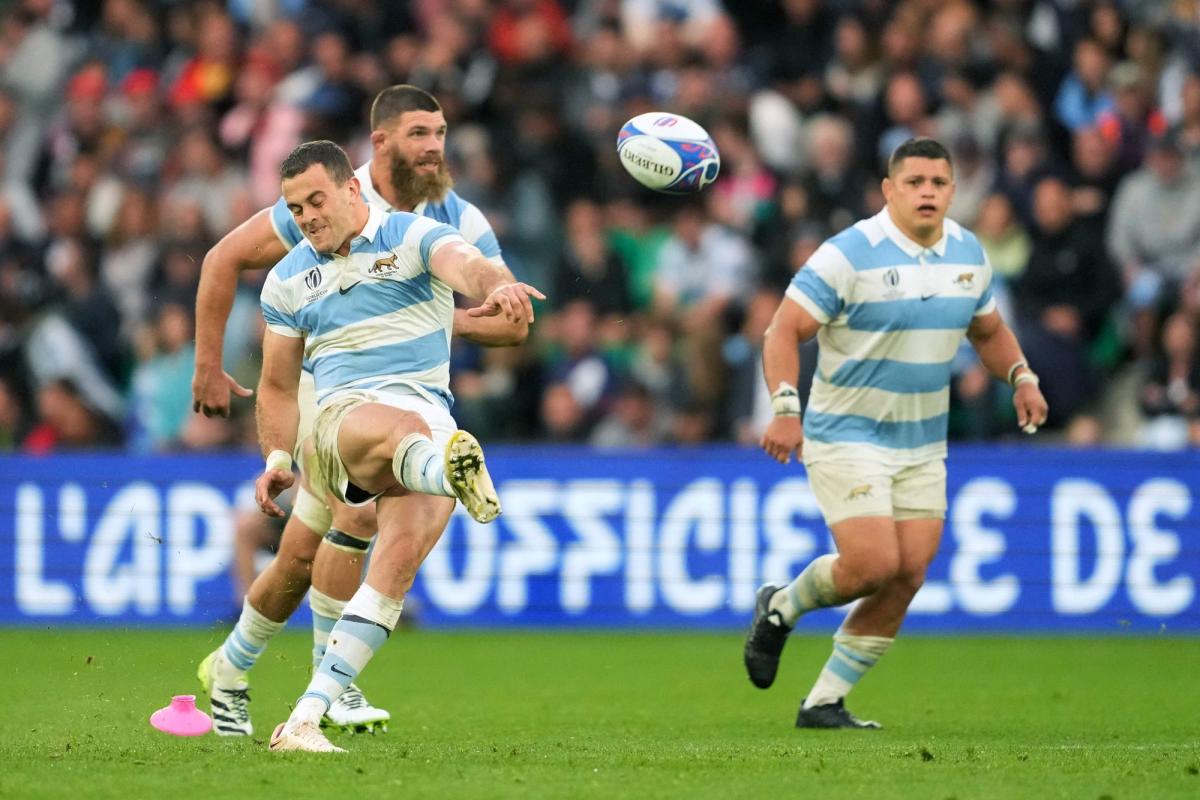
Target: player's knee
<point>357,521</point>
<point>910,578</point>
<point>407,423</point>
<point>870,574</point>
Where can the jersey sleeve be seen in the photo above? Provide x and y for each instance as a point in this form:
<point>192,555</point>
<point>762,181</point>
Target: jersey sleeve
<point>478,231</point>
<point>819,287</point>
<point>429,236</point>
<point>277,307</point>
<point>285,225</point>
<point>987,303</point>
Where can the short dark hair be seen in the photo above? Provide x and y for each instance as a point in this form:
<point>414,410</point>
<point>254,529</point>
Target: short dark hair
<point>395,100</point>
<point>323,152</point>
<point>920,147</point>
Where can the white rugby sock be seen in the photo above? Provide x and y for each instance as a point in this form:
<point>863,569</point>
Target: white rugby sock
<point>366,622</point>
<point>325,613</point>
<point>812,589</point>
<point>420,465</point>
<point>852,657</point>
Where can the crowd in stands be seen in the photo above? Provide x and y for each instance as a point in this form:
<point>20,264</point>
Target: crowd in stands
<point>135,133</point>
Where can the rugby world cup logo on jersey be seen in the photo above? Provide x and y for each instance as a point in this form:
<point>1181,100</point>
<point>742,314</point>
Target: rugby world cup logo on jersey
<point>891,279</point>
<point>313,279</point>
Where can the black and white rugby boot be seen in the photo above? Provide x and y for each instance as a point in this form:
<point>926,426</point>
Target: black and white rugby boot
<point>832,715</point>
<point>765,640</point>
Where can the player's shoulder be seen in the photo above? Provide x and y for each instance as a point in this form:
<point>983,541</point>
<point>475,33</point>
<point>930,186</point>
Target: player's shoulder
<point>298,260</point>
<point>962,245</point>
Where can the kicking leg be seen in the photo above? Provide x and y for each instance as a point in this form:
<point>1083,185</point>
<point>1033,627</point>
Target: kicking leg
<point>405,455</point>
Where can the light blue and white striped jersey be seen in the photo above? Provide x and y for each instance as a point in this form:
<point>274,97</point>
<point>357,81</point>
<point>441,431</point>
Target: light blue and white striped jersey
<point>893,315</point>
<point>452,210</point>
<point>376,317</point>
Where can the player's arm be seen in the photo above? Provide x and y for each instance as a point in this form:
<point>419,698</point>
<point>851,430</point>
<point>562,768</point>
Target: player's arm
<point>278,416</point>
<point>1001,355</point>
<point>491,331</point>
<point>791,326</point>
<point>469,272</point>
<point>251,245</point>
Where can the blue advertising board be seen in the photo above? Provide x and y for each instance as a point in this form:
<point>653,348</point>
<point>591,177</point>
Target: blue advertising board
<point>1036,540</point>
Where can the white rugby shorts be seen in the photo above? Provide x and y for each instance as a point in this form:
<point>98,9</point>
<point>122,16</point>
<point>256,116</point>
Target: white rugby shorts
<point>846,489</point>
<point>328,473</point>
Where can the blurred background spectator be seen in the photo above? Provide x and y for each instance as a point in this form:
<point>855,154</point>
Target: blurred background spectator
<point>135,133</point>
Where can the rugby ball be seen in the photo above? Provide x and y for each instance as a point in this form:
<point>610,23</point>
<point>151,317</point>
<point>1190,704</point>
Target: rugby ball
<point>668,153</point>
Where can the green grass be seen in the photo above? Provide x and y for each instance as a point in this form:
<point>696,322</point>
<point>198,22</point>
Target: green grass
<point>619,715</point>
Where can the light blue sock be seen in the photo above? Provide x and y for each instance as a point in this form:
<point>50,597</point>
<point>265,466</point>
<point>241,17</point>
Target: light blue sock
<point>366,623</point>
<point>245,643</point>
<point>851,658</point>
<point>420,465</point>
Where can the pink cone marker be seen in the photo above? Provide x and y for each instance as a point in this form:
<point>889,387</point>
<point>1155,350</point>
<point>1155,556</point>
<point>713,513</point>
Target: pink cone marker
<point>182,718</point>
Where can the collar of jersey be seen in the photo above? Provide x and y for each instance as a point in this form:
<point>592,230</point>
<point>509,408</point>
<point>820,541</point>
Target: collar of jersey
<point>911,248</point>
<point>375,219</point>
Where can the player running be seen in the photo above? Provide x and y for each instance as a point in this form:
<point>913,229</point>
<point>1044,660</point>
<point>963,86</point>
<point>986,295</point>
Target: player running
<point>890,300</point>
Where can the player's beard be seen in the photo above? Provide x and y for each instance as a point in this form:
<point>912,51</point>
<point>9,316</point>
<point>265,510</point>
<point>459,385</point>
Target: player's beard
<point>411,186</point>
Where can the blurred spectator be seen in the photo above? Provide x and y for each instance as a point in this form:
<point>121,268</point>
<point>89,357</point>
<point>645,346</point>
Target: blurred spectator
<point>705,270</point>
<point>1063,297</point>
<point>635,420</point>
<point>1154,234</point>
<point>1170,398</point>
<point>87,304</point>
<point>65,421</point>
<point>1003,237</point>
<point>1134,119</point>
<point>589,269</point>
<point>12,418</point>
<point>1083,95</point>
<point>579,368</point>
<point>162,400</point>
<point>1095,174</point>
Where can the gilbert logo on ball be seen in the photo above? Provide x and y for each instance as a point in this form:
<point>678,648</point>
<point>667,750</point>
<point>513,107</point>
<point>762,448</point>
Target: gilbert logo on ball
<point>668,153</point>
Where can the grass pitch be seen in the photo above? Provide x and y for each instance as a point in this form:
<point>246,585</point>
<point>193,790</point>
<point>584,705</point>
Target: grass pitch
<point>495,714</point>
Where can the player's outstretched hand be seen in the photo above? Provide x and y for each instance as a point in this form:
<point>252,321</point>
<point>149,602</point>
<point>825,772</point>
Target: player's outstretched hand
<point>511,300</point>
<point>1031,407</point>
<point>784,436</point>
<point>267,488</point>
<point>210,391</point>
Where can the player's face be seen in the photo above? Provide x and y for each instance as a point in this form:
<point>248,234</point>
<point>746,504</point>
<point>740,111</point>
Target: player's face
<point>415,149</point>
<point>420,137</point>
<point>323,209</point>
<point>918,195</point>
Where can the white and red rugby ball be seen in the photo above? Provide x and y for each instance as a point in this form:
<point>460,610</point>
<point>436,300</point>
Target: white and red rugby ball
<point>668,153</point>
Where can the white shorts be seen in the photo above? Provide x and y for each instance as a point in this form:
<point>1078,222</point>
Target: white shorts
<point>847,489</point>
<point>326,468</point>
<point>306,396</point>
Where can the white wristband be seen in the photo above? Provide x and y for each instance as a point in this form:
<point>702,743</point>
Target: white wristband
<point>1026,377</point>
<point>279,459</point>
<point>786,401</point>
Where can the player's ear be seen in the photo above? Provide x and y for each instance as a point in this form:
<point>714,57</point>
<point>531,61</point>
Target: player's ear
<point>355,187</point>
<point>378,138</point>
<point>887,187</point>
